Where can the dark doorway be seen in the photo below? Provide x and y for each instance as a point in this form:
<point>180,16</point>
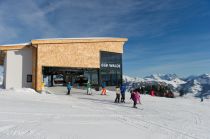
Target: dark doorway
<point>77,76</point>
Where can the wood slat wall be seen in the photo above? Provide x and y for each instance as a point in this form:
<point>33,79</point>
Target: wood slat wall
<point>77,54</point>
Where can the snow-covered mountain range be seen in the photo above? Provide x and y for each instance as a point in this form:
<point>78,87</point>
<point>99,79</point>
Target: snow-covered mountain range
<point>195,85</point>
<point>170,79</point>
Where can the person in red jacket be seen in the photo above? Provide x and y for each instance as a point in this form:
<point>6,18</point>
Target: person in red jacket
<point>152,93</point>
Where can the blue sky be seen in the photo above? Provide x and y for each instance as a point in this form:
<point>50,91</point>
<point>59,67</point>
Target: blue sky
<point>165,36</point>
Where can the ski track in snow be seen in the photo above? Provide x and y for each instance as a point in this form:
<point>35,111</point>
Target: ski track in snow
<point>139,123</point>
<point>80,116</point>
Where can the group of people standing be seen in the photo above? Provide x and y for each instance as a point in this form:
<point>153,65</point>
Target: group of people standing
<point>120,93</point>
<point>135,95</point>
<point>68,86</point>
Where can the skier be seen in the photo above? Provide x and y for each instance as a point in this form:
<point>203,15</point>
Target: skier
<point>138,97</point>
<point>103,92</point>
<point>152,93</point>
<point>68,88</point>
<point>135,97</point>
<point>89,88</point>
<point>201,97</point>
<point>122,91</point>
<point>117,99</point>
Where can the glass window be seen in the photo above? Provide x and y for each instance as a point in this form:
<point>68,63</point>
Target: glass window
<point>111,68</point>
<point>92,76</point>
<point>74,75</point>
<point>29,78</point>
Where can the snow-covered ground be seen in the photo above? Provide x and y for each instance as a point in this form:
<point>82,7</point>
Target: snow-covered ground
<point>25,114</point>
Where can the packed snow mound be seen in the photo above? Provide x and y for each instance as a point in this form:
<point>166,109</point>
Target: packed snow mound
<point>17,91</point>
<point>25,90</point>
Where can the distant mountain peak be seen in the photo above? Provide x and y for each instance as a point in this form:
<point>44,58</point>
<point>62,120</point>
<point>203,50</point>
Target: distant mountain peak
<point>168,77</point>
<point>132,79</point>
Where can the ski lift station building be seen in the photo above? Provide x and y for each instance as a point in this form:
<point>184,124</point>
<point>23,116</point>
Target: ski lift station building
<point>62,60</point>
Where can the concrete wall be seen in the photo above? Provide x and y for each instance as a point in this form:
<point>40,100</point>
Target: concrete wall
<point>18,64</point>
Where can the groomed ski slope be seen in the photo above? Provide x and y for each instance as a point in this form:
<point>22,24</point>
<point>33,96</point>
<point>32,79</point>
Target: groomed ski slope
<point>25,114</point>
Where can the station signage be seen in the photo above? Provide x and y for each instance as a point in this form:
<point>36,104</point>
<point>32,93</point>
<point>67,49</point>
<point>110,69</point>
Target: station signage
<point>106,65</point>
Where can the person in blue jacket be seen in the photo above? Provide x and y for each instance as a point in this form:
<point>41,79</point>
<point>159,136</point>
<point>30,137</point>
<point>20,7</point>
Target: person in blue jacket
<point>68,85</point>
<point>122,91</point>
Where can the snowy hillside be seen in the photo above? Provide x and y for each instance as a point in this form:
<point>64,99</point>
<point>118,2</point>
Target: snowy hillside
<point>193,85</point>
<point>170,79</point>
<point>132,79</point>
<point>197,86</point>
<point>79,116</point>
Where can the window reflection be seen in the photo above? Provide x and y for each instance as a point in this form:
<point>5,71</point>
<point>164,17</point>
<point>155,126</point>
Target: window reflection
<point>111,68</point>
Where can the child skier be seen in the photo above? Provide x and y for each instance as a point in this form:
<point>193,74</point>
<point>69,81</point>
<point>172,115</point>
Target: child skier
<point>89,88</point>
<point>135,96</point>
<point>201,97</point>
<point>68,88</point>
<point>117,99</point>
<point>103,92</point>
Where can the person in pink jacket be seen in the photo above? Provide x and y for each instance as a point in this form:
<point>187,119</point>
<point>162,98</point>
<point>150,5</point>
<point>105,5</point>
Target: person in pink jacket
<point>135,96</point>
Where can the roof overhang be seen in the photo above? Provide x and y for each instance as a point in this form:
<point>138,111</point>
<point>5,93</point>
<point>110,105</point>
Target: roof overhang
<point>76,40</point>
<point>12,47</point>
<point>35,43</point>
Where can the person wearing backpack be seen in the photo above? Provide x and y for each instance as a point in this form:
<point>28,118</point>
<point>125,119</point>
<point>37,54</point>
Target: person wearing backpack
<point>122,91</point>
<point>68,88</point>
<point>135,96</point>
